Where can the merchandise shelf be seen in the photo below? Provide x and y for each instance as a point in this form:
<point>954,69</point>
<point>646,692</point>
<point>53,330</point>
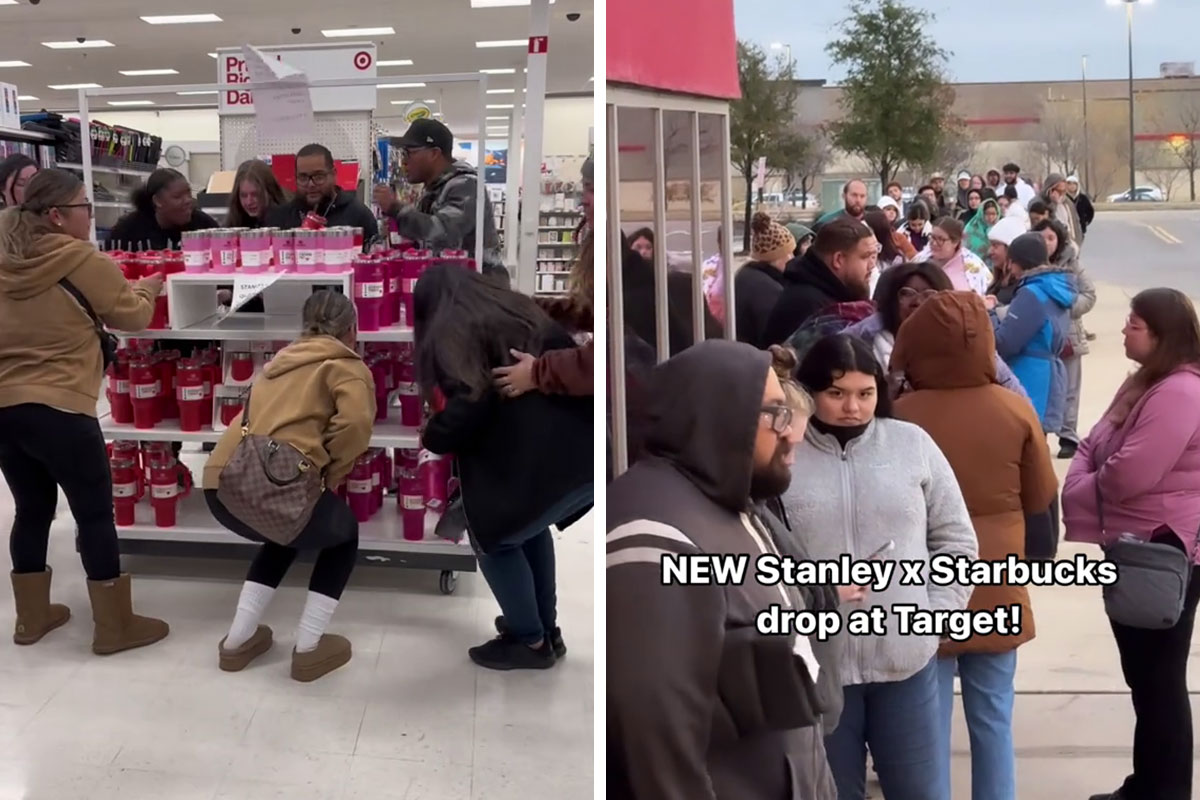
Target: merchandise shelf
<point>140,173</point>
<point>381,541</point>
<point>19,133</point>
<point>388,433</point>
<point>258,328</point>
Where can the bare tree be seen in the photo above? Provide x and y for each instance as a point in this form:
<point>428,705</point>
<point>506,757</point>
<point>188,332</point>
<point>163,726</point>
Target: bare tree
<point>801,157</point>
<point>1156,161</point>
<point>1184,122</point>
<point>1060,134</point>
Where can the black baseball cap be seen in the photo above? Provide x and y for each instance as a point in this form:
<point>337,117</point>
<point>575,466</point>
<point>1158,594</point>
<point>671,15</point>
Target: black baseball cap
<point>429,133</point>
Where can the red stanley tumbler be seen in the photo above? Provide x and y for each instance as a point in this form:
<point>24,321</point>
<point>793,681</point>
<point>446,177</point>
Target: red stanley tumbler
<point>143,389</point>
<point>166,474</point>
<point>191,395</point>
<point>119,400</point>
<point>369,281</point>
<point>360,489</point>
<point>124,489</point>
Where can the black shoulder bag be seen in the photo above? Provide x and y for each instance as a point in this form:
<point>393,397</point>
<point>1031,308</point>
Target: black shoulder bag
<point>108,342</point>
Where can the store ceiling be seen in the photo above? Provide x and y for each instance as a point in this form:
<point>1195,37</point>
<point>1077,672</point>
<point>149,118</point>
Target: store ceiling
<point>438,36</point>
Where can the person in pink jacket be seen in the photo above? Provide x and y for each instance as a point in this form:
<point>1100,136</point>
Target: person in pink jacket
<point>1142,461</point>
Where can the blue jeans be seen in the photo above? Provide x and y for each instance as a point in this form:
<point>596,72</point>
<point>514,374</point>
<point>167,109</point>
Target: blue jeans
<point>987,694</point>
<point>520,572</point>
<point>899,722</point>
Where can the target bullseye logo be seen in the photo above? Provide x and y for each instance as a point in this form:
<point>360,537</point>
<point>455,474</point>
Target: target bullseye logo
<point>362,60</point>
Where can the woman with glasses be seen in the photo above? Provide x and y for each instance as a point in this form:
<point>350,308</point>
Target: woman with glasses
<point>52,280</point>
<point>966,271</point>
<point>163,210</point>
<point>319,200</point>
<point>871,486</point>
<point>900,292</point>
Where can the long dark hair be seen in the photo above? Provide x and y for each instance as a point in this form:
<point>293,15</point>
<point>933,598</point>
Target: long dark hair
<point>887,293</point>
<point>10,168</point>
<point>260,174</point>
<point>464,326</point>
<point>879,225</point>
<point>143,198</point>
<point>1060,231</point>
<point>1171,317</point>
<point>834,356</point>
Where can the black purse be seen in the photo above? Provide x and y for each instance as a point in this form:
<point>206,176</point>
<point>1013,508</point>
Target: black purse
<point>108,342</point>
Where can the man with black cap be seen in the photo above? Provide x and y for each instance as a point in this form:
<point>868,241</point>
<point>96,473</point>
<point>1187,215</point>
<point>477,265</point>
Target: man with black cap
<point>444,217</point>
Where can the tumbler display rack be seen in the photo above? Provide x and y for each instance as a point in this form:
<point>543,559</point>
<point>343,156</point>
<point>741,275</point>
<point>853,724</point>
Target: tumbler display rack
<point>193,315</point>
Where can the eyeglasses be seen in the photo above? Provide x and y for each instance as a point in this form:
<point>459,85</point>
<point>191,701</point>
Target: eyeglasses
<point>940,239</point>
<point>315,178</point>
<point>781,418</point>
<point>909,293</point>
<point>88,206</point>
<point>407,152</point>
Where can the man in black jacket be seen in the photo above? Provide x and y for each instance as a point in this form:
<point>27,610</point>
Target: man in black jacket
<point>836,269</point>
<point>1083,204</point>
<point>700,705</point>
<point>317,192</point>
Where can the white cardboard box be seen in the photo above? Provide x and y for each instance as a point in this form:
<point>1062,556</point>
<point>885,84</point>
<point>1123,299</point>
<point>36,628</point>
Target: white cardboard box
<point>10,107</point>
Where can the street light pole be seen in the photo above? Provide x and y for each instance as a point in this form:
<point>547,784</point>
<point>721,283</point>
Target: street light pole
<point>1087,151</point>
<point>1132,158</point>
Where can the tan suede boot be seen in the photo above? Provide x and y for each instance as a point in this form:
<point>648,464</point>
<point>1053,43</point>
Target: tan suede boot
<point>36,615</point>
<point>117,627</point>
<point>239,658</point>
<point>332,652</point>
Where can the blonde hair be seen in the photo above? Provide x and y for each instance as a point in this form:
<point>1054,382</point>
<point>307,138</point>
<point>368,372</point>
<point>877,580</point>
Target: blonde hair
<point>580,284</point>
<point>784,362</point>
<point>328,313</point>
<point>21,225</point>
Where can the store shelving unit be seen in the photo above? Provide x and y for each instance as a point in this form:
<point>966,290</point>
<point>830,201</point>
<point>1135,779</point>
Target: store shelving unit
<point>38,146</point>
<point>556,249</point>
<point>194,316</point>
<point>120,184</point>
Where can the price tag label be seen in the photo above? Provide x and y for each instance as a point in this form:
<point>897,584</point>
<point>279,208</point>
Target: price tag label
<point>246,287</point>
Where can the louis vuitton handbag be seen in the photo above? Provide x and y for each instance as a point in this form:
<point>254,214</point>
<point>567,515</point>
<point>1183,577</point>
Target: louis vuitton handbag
<point>270,486</point>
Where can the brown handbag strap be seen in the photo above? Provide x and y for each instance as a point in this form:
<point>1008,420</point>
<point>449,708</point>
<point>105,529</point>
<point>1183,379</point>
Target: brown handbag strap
<point>246,412</point>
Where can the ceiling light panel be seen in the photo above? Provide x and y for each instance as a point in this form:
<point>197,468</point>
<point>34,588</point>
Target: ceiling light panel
<point>131,102</point>
<point>66,87</point>
<point>192,94</point>
<point>501,3</point>
<point>182,19</point>
<point>7,64</point>
<point>506,71</point>
<point>501,91</point>
<point>401,86</point>
<point>75,45</point>
<point>136,73</point>
<point>396,62</point>
<point>501,105</point>
<point>348,33</point>
<point>503,43</point>
<point>26,97</point>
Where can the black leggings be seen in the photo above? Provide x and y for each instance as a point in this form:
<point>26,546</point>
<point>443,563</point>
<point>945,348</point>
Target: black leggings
<point>333,530</point>
<point>41,449</point>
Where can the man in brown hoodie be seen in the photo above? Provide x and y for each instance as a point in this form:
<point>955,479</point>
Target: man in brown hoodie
<point>995,445</point>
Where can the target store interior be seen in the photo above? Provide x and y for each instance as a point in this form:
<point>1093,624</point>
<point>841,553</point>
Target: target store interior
<point>213,201</point>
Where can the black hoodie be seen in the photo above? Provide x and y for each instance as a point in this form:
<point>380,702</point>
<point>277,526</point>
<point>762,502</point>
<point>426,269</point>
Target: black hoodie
<point>701,706</point>
<point>808,287</point>
<point>757,287</point>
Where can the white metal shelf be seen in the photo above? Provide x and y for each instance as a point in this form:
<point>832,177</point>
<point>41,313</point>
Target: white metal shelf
<point>226,278</point>
<point>18,133</point>
<point>195,525</point>
<point>258,328</point>
<point>388,433</point>
<point>137,173</point>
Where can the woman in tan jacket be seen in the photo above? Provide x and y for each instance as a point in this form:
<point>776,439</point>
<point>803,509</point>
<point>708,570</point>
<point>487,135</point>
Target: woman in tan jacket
<point>318,396</point>
<point>51,366</point>
<point>994,443</point>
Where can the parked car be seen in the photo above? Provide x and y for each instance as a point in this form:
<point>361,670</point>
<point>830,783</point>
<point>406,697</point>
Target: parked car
<point>1145,194</point>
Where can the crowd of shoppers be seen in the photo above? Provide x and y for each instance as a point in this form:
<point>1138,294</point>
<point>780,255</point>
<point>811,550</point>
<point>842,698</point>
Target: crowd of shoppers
<point>919,428</point>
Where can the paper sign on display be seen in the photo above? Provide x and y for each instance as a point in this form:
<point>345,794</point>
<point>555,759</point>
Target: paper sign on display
<point>285,109</point>
<point>246,287</point>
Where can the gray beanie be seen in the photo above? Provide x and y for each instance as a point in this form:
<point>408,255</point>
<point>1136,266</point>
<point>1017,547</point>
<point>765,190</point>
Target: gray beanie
<point>1028,251</point>
<point>1052,180</point>
<point>589,169</point>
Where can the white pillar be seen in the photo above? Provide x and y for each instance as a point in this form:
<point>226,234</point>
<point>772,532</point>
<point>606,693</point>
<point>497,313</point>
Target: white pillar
<point>535,113</point>
<point>512,227</point>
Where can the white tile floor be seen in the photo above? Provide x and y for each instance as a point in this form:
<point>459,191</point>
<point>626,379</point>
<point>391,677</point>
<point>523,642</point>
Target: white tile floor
<point>409,718</point>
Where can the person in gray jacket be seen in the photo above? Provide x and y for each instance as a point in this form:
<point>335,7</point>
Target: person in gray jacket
<point>444,217</point>
<point>700,705</point>
<point>871,486</point>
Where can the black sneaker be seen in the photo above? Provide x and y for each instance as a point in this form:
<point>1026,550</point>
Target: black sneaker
<point>1067,448</point>
<point>556,639</point>
<point>504,653</point>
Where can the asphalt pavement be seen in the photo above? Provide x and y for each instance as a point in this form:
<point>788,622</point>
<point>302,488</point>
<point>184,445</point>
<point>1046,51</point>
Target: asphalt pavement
<point>1140,249</point>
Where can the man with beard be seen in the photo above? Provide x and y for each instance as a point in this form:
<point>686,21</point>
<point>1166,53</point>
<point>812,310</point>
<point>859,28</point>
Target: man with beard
<point>993,182</point>
<point>1012,177</point>
<point>700,705</point>
<point>938,182</point>
<point>854,204</point>
<point>836,269</point>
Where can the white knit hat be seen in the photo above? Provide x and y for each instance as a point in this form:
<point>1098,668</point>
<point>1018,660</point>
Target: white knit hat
<point>1006,230</point>
<point>1073,179</point>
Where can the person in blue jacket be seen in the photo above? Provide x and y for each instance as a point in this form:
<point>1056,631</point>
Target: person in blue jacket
<point>1031,334</point>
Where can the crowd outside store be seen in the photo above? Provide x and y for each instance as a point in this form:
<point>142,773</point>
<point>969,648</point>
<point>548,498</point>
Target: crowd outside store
<point>929,351</point>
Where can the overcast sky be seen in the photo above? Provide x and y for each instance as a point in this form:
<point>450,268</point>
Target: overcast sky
<point>998,40</point>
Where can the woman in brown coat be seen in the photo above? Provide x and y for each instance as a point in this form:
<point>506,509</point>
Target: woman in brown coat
<point>994,442</point>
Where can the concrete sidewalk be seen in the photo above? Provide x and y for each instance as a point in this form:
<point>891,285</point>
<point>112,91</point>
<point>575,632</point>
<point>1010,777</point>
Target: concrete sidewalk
<point>1073,724</point>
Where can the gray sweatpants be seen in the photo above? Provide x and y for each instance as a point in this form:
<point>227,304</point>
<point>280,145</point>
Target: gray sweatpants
<point>1074,366</point>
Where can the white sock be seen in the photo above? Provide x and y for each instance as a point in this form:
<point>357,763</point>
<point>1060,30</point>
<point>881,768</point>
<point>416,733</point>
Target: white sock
<point>318,610</point>
<point>251,605</point>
